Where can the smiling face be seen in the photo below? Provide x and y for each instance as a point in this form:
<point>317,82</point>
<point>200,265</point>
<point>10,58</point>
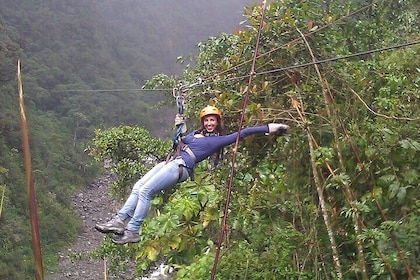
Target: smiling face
<point>210,123</point>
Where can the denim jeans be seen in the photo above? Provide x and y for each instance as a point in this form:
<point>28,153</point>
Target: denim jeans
<point>162,176</point>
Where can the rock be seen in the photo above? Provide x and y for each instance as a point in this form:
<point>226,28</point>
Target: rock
<point>93,204</point>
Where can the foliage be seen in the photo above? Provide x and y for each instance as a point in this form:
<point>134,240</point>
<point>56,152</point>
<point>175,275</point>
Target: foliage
<point>178,219</point>
<point>347,174</point>
<point>362,120</point>
<point>83,66</point>
<point>130,150</point>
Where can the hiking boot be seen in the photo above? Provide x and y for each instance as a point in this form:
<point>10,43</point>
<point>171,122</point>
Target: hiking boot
<point>115,225</point>
<point>128,237</point>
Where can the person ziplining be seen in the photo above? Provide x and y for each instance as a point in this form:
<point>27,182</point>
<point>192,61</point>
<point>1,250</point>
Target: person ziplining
<point>189,150</point>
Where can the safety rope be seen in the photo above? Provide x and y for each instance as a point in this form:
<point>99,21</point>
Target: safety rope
<point>178,94</point>
<point>232,170</point>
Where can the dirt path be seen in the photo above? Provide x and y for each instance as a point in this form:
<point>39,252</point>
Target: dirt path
<point>93,205</point>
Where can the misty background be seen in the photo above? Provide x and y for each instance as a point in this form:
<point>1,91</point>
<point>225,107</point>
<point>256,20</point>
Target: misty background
<point>73,54</point>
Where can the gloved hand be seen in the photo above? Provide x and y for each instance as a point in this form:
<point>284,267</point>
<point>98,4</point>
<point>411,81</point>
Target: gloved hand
<point>179,119</point>
<point>277,128</point>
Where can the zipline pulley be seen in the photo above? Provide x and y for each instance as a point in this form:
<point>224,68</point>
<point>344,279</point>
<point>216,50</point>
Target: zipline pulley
<point>178,94</point>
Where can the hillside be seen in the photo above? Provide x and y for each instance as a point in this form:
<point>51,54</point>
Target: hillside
<point>112,45</point>
<point>76,57</point>
<point>337,197</point>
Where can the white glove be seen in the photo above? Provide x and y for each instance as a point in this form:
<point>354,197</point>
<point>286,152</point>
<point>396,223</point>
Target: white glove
<point>277,128</point>
<point>179,119</point>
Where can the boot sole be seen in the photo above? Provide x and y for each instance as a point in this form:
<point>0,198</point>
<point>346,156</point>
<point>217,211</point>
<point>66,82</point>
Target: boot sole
<point>122,242</point>
<point>118,231</point>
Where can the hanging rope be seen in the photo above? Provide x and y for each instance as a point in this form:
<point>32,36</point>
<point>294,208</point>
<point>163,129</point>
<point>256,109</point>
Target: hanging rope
<point>232,170</point>
<point>178,94</point>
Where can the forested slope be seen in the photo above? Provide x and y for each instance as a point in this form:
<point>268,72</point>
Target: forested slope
<point>76,56</point>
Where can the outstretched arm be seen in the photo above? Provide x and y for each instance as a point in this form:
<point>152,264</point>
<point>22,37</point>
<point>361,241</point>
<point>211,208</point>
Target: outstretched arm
<point>205,146</point>
<point>271,128</point>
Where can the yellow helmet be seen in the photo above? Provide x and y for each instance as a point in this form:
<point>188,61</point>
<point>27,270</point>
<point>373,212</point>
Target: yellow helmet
<point>210,110</point>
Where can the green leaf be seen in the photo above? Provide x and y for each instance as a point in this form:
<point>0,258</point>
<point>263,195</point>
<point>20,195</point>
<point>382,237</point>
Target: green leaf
<point>394,189</point>
<point>151,252</point>
<point>175,241</point>
<point>410,144</point>
<point>401,195</point>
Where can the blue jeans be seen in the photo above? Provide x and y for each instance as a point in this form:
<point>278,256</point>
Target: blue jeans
<point>162,176</point>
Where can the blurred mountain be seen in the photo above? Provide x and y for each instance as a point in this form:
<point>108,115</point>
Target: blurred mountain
<point>71,49</point>
<point>75,56</point>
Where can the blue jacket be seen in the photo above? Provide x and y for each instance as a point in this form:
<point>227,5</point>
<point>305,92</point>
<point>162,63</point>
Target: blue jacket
<point>203,147</point>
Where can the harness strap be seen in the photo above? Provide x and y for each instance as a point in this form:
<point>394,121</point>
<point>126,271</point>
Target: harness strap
<point>187,149</point>
<point>181,171</point>
<point>182,147</point>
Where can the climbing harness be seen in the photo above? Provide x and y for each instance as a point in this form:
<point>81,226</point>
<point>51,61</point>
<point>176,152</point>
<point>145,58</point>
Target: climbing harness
<point>177,154</point>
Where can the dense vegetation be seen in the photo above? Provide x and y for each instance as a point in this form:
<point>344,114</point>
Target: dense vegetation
<point>339,197</point>
<point>76,57</point>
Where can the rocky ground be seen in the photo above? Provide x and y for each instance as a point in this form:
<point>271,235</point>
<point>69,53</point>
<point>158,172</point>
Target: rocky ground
<point>93,205</point>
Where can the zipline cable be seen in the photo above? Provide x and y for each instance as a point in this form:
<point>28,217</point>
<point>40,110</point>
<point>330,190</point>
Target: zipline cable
<point>302,65</point>
<point>241,121</point>
<point>341,57</point>
<point>294,40</point>
<point>110,90</point>
<point>237,65</point>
